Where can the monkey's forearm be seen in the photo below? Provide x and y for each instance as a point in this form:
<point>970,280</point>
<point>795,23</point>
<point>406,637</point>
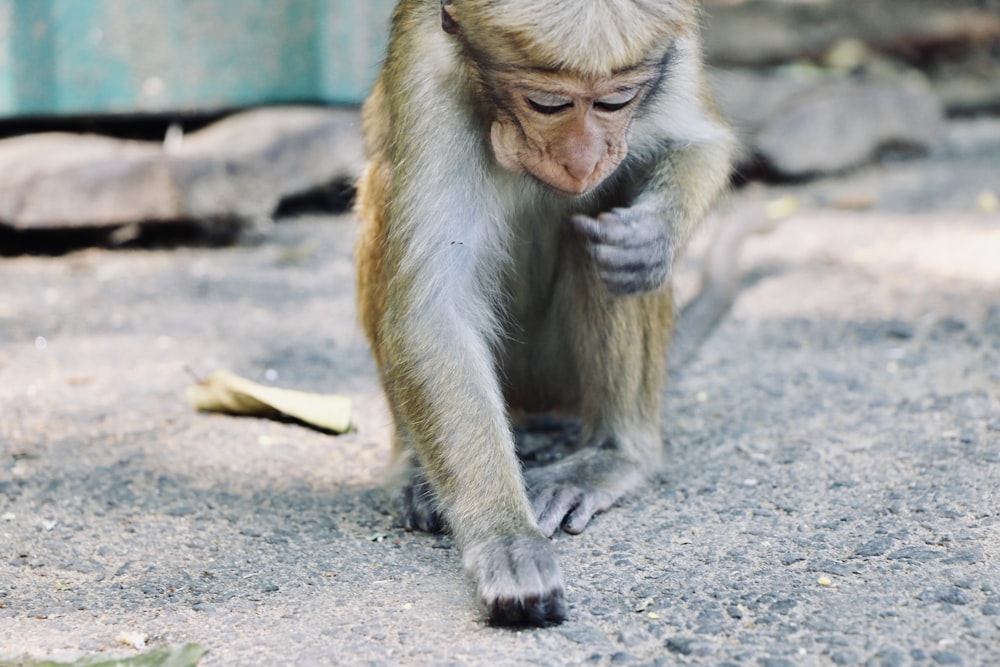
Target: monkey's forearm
<point>683,187</point>
<point>442,382</point>
<point>439,376</point>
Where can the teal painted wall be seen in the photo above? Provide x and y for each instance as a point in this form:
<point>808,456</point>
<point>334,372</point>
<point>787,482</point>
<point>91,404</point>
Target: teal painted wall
<point>6,63</point>
<point>127,56</point>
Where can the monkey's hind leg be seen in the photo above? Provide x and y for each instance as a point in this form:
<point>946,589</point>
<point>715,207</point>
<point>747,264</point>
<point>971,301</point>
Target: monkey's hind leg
<point>414,498</point>
<point>620,352</point>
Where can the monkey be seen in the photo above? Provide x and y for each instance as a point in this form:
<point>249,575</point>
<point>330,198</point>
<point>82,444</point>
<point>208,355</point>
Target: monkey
<point>534,169</point>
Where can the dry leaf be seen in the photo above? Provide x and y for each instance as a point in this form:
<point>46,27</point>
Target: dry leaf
<point>187,655</point>
<point>227,392</point>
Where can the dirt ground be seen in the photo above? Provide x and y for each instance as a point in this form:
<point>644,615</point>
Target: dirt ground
<point>832,493</point>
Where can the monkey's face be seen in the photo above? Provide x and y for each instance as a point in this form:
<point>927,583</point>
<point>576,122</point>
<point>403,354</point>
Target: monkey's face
<point>567,132</point>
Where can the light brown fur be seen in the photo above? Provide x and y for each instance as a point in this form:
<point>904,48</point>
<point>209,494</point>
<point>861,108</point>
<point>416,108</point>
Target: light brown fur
<point>486,293</point>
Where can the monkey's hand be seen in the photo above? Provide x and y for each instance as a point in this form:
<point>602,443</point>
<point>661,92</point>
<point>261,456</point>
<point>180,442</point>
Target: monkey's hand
<point>631,248</point>
<point>518,579</point>
<point>568,493</point>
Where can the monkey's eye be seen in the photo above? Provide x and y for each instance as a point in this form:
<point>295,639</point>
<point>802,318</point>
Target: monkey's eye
<point>617,101</point>
<point>547,104</point>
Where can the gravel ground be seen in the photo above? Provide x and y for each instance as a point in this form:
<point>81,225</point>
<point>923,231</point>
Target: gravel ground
<point>831,497</point>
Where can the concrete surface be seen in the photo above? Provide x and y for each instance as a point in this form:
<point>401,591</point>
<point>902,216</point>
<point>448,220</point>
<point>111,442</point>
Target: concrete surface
<point>832,495</point>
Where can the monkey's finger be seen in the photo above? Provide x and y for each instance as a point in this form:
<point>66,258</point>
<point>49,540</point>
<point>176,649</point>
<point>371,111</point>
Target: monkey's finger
<point>630,275</point>
<point>612,229</point>
<point>591,503</point>
<point>626,281</point>
<point>635,233</point>
<point>600,232</point>
<point>560,502</point>
<point>649,259</point>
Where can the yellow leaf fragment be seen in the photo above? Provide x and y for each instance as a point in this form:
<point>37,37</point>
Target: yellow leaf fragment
<point>781,208</point>
<point>223,391</point>
<point>988,201</point>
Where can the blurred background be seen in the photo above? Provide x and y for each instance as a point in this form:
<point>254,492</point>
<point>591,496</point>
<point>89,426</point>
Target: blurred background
<point>167,173</point>
<point>815,88</point>
<point>89,57</point>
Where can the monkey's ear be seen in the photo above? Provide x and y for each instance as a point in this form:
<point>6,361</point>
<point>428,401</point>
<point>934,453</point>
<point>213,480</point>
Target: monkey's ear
<point>448,21</point>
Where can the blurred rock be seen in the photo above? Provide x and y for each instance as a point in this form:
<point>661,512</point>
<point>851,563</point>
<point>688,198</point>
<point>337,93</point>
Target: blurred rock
<point>763,32</point>
<point>748,98</point>
<point>845,124</point>
<point>801,126</point>
<point>970,85</point>
<point>237,169</point>
<point>971,136</point>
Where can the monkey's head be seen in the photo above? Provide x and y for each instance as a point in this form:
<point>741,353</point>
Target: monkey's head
<point>565,78</point>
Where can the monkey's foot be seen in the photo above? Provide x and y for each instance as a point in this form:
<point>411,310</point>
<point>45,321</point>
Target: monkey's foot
<point>417,505</point>
<point>569,493</point>
<point>518,579</point>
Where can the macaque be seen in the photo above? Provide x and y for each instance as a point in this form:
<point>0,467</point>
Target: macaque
<point>535,168</point>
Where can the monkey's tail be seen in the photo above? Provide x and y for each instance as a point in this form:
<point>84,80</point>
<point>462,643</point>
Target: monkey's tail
<point>720,274</point>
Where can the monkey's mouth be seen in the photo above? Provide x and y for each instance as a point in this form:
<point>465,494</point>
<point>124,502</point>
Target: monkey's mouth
<point>579,192</point>
<point>554,175</point>
<point>567,187</point>
<point>563,183</point>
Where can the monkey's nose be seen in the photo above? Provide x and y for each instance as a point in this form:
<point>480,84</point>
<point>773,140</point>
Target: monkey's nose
<point>581,166</point>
